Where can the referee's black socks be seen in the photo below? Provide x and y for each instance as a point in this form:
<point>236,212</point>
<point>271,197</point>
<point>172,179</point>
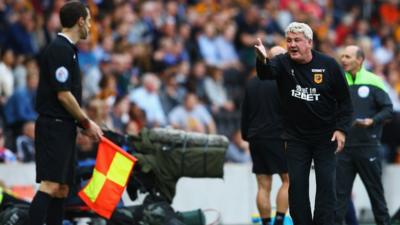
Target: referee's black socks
<point>55,212</point>
<point>38,208</point>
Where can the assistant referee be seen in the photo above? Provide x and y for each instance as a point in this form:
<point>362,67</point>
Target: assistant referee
<point>58,104</point>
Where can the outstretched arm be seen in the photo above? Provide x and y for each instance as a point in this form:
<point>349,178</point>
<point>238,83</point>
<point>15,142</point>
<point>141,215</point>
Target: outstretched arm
<point>266,68</point>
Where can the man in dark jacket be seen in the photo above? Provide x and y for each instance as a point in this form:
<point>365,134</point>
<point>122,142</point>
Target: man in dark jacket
<point>316,112</point>
<point>261,126</point>
<point>372,107</point>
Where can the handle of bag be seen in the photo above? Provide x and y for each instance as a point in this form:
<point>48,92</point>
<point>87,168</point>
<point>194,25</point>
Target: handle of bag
<point>217,220</point>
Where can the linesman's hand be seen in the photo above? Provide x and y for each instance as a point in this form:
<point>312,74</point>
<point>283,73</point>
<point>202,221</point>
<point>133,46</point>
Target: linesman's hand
<point>340,139</point>
<point>260,50</point>
<point>93,131</point>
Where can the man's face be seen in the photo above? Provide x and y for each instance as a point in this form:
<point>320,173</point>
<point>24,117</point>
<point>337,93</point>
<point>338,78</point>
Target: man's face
<point>349,60</point>
<point>84,31</point>
<point>298,46</point>
<point>190,102</point>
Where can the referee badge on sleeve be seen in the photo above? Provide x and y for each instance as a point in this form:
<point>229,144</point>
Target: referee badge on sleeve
<point>62,74</point>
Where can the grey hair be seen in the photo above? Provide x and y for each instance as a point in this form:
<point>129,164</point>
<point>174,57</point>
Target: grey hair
<point>296,27</point>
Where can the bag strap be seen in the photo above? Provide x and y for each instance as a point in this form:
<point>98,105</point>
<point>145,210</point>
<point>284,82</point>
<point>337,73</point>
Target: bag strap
<point>205,156</point>
<point>184,144</point>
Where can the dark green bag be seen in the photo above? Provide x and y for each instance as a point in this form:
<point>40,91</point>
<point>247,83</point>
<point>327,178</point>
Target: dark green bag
<point>194,217</point>
<point>171,161</point>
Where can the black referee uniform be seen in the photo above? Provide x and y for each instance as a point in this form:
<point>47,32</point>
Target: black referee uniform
<point>361,153</point>
<point>56,129</point>
<point>261,126</point>
<point>315,103</point>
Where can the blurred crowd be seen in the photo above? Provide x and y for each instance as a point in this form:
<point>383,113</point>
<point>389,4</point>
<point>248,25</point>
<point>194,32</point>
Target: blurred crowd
<point>182,63</point>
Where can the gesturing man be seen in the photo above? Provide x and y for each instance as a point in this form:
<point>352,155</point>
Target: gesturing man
<point>317,112</point>
<point>58,104</point>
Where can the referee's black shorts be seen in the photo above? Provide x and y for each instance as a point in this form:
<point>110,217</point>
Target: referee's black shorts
<point>268,156</point>
<point>55,150</point>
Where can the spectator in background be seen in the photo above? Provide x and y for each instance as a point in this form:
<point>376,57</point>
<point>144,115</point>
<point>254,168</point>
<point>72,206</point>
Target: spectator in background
<point>86,56</point>
<point>119,113</point>
<point>98,110</point>
<point>85,149</point>
<point>147,98</point>
<point>208,45</point>
<point>27,65</point>
<point>6,155</point>
<point>248,30</point>
<point>26,143</point>
<point>228,56</point>
<point>172,94</point>
<point>137,116</point>
<point>196,80</point>
<point>7,58</point>
<point>238,149</point>
<point>20,107</point>
<point>20,37</point>
<point>192,116</point>
<point>216,92</point>
<point>108,89</point>
<point>171,53</point>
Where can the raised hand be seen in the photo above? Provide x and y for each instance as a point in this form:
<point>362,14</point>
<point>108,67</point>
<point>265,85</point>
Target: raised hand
<point>260,50</point>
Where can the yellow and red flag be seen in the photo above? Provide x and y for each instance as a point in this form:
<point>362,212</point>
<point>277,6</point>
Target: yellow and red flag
<point>110,176</point>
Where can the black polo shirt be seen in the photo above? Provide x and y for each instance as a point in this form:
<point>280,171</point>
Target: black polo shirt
<point>261,110</point>
<point>315,96</point>
<point>59,71</point>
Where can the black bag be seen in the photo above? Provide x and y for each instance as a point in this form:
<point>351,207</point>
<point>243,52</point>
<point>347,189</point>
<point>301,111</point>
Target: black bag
<point>15,215</point>
<point>160,213</point>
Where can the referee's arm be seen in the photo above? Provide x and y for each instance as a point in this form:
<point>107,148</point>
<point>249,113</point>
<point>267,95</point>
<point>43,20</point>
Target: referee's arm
<point>71,105</point>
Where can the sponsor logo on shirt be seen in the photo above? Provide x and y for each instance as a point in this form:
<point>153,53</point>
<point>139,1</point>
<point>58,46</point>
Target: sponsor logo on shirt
<point>318,70</point>
<point>307,94</point>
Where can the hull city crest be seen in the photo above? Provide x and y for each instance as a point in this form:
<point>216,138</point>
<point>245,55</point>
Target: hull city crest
<point>318,78</point>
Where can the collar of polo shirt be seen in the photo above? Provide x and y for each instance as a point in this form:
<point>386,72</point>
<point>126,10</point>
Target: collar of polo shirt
<point>69,39</point>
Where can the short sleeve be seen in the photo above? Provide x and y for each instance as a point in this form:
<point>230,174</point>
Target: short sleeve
<point>60,60</point>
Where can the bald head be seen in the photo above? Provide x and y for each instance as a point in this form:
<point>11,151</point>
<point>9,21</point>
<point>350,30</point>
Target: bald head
<point>352,59</point>
<point>276,50</point>
<point>357,51</point>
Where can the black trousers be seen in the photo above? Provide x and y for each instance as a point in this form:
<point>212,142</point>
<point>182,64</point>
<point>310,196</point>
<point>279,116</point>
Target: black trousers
<point>299,158</point>
<point>365,162</point>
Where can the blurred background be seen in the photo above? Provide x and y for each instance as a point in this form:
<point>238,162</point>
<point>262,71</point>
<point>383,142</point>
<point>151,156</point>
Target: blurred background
<point>147,61</point>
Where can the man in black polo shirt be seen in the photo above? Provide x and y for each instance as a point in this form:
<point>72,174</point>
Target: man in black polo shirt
<point>58,104</point>
<point>261,126</point>
<point>317,110</point>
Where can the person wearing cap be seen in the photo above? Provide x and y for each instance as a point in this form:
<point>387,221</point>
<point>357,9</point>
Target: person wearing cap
<point>58,101</point>
<point>316,112</point>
